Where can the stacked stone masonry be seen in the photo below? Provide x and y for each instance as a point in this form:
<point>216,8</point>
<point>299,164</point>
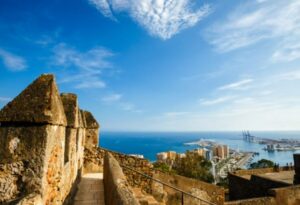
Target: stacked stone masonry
<point>42,139</point>
<point>94,162</point>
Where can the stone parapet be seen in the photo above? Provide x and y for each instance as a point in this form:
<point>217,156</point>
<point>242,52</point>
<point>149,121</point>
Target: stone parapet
<point>94,162</point>
<point>297,168</point>
<point>200,189</point>
<point>254,201</point>
<point>116,187</point>
<point>287,195</point>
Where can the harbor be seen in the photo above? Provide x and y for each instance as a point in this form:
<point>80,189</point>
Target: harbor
<point>272,145</point>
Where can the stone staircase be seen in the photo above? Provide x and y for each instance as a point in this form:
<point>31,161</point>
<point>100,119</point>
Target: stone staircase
<point>90,190</point>
<point>144,198</point>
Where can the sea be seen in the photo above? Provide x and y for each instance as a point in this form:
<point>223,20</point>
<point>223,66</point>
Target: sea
<point>149,144</point>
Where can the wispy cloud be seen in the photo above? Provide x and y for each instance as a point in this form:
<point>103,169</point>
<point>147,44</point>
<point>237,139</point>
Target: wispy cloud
<point>4,99</point>
<point>91,83</point>
<point>261,20</point>
<point>44,40</point>
<point>119,101</point>
<point>162,18</point>
<point>111,98</point>
<point>130,107</point>
<point>216,101</point>
<point>240,85</point>
<point>291,75</point>
<point>11,61</point>
<point>127,106</point>
<point>85,67</point>
<point>175,114</point>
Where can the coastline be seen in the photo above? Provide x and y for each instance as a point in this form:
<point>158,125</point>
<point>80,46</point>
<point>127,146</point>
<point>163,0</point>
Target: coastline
<point>150,143</point>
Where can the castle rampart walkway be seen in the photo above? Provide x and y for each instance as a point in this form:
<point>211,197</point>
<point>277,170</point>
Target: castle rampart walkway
<point>90,190</point>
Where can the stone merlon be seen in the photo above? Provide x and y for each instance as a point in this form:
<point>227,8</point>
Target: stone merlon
<point>71,108</point>
<point>91,123</point>
<point>39,103</point>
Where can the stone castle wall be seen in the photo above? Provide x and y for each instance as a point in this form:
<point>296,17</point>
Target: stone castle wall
<point>42,139</point>
<point>255,201</point>
<point>260,171</point>
<point>203,190</point>
<point>255,186</point>
<point>286,196</point>
<point>94,161</point>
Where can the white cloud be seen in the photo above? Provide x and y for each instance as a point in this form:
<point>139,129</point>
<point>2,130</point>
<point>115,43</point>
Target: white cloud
<point>92,60</point>
<point>216,101</point>
<point>162,18</point>
<point>261,20</point>
<point>104,7</point>
<point>240,85</point>
<point>12,61</point>
<point>112,98</point>
<point>86,67</point>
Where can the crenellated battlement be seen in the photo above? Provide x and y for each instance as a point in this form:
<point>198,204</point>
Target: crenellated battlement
<point>42,139</point>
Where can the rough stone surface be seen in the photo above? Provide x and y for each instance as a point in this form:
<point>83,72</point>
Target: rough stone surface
<point>91,138</point>
<point>71,108</point>
<point>94,162</point>
<point>39,103</point>
<point>91,122</point>
<point>202,190</point>
<point>42,139</point>
<point>116,188</point>
<point>256,186</point>
<point>254,201</point>
<point>31,199</point>
<point>287,196</point>
<point>82,120</point>
<point>24,164</point>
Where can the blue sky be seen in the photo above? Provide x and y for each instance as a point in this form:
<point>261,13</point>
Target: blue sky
<point>160,65</point>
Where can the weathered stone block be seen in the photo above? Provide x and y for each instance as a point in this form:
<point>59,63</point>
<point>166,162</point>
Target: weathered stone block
<point>71,109</point>
<point>91,138</point>
<point>39,103</point>
<point>91,122</point>
<point>116,188</point>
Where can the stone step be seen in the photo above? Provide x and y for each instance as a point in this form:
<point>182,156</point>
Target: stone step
<point>90,190</point>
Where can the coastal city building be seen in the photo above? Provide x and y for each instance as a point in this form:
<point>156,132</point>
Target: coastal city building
<point>208,154</point>
<point>181,155</point>
<point>162,156</point>
<point>168,156</point>
<point>221,151</point>
<point>171,155</point>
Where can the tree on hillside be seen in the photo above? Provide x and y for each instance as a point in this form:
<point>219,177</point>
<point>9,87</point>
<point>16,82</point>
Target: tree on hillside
<point>263,163</point>
<point>162,166</point>
<point>194,166</point>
